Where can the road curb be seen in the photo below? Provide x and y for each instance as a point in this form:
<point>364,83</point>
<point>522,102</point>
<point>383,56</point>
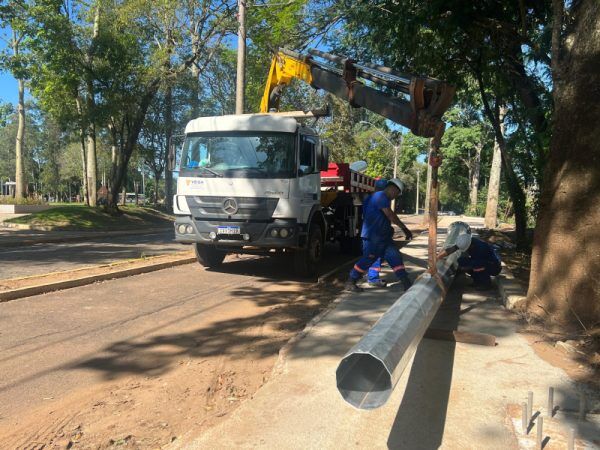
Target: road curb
<point>15,294</point>
<point>511,290</point>
<point>335,270</point>
<point>79,237</point>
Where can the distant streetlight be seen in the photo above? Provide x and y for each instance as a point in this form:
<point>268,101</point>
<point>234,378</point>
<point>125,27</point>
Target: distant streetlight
<point>417,209</point>
<point>396,147</point>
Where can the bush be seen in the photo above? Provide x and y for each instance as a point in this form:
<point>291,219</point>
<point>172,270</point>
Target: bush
<point>8,200</point>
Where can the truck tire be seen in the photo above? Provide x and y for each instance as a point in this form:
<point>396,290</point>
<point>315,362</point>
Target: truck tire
<point>209,256</point>
<point>307,259</point>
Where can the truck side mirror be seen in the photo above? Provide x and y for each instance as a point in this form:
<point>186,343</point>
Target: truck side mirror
<point>323,158</point>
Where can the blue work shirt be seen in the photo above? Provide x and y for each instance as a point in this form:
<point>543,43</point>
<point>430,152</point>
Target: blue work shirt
<point>376,226</point>
<point>482,251</point>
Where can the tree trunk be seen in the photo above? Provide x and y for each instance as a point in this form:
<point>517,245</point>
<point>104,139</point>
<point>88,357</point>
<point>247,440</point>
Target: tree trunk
<point>493,194</point>
<point>564,285</point>
<point>427,195</point>
<point>92,172</point>
<point>476,170</point>
<point>124,149</point>
<point>156,185</point>
<point>195,70</point>
<point>78,102</point>
<point>168,137</point>
<point>20,179</point>
<point>512,181</point>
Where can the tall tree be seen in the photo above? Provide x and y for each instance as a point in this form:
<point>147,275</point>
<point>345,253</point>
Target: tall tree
<point>157,52</point>
<point>458,41</point>
<point>13,18</point>
<point>564,283</point>
<point>90,100</point>
<point>66,75</point>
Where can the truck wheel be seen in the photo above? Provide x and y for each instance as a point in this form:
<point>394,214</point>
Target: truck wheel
<point>209,256</point>
<point>307,259</point>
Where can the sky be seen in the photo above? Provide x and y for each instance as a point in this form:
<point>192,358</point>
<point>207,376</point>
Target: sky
<point>8,88</point>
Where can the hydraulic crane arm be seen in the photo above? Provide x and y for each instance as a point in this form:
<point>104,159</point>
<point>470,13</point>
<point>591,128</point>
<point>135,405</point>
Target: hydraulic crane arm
<point>415,102</point>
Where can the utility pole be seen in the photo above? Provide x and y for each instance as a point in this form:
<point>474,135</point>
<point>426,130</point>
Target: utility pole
<point>240,83</point>
<point>396,149</point>
<point>418,177</point>
<point>427,195</point>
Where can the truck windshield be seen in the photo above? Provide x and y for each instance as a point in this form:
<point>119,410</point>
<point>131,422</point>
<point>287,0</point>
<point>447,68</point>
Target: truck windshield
<point>240,155</point>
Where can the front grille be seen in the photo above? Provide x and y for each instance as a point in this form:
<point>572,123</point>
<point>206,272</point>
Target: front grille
<point>249,208</point>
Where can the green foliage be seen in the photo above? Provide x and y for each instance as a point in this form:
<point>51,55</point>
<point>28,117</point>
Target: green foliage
<point>6,112</point>
<point>9,200</point>
<point>80,217</point>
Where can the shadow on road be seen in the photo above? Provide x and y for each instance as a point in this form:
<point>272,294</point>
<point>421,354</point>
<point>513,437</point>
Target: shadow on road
<point>285,312</point>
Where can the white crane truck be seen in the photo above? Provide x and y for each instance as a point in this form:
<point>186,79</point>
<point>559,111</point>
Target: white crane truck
<point>262,183</point>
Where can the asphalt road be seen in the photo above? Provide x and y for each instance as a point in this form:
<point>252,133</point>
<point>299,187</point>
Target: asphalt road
<point>69,344</point>
<point>44,258</point>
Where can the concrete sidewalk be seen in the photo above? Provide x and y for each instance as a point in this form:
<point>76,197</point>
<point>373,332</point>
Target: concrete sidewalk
<point>453,395</point>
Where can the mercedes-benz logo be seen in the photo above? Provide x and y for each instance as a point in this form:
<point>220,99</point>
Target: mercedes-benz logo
<point>230,206</point>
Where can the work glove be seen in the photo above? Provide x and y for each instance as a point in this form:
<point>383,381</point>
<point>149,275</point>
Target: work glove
<point>408,234</point>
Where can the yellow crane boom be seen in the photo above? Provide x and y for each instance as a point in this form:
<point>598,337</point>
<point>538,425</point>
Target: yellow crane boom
<point>412,101</point>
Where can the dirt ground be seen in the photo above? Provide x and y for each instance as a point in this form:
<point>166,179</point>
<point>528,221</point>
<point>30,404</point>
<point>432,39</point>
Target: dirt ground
<point>151,407</point>
<point>580,354</point>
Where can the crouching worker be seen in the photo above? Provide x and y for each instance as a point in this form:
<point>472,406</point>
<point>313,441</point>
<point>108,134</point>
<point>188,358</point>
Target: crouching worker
<point>479,260</point>
<point>377,236</point>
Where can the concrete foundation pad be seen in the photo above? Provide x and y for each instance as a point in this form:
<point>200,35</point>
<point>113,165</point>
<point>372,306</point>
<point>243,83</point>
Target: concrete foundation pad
<point>511,290</point>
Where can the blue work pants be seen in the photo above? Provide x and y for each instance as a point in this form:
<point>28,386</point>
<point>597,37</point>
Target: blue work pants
<point>374,270</point>
<point>374,250</point>
<point>480,270</point>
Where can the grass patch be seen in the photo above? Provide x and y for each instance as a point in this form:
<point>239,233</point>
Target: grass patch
<point>80,217</point>
<point>9,200</point>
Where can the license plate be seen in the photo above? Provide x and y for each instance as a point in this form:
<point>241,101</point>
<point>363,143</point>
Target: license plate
<point>228,230</point>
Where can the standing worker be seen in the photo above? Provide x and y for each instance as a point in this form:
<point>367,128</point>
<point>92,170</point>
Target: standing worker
<point>377,235</point>
<point>375,270</point>
<point>479,260</point>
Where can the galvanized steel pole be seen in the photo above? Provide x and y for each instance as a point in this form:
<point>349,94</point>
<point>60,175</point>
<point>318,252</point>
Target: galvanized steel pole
<point>368,373</point>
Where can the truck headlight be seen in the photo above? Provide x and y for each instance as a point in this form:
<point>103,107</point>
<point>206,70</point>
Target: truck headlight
<point>212,235</point>
<point>181,229</point>
<point>284,233</point>
<point>189,229</point>
<point>274,232</point>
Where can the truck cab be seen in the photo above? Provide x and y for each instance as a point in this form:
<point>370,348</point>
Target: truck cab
<point>251,184</point>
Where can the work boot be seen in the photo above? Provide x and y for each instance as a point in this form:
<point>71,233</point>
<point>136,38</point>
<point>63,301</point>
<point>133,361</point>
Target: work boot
<point>406,283</point>
<point>351,286</point>
<point>378,283</point>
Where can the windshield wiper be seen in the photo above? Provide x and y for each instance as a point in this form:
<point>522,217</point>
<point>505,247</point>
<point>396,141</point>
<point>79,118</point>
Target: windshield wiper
<point>248,169</point>
<point>216,174</point>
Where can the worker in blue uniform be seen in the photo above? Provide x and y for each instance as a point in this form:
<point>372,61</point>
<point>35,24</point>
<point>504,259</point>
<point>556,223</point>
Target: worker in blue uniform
<point>377,236</point>
<point>479,259</point>
<point>375,270</point>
